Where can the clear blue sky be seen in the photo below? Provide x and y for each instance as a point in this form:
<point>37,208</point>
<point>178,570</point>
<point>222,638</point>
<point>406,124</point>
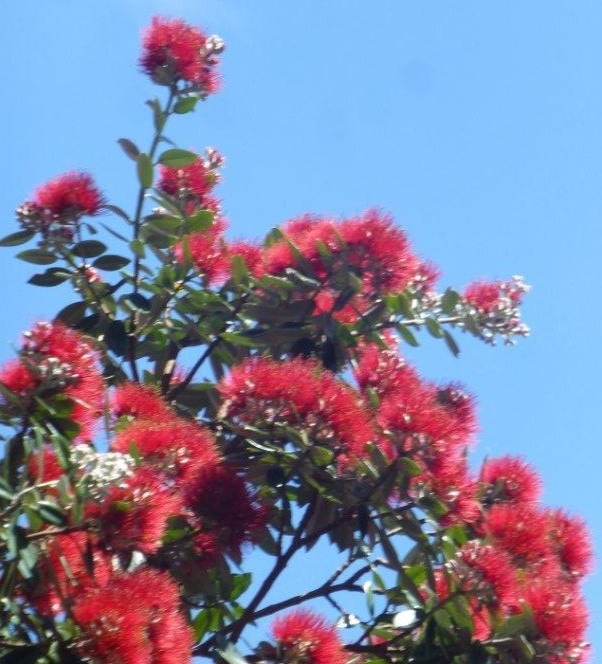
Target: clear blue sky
<point>477,124</point>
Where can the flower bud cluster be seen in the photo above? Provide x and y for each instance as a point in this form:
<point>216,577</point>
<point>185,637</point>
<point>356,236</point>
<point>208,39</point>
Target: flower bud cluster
<point>489,310</point>
<point>101,470</point>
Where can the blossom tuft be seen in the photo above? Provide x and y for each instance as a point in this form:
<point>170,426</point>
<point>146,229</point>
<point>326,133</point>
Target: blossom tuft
<point>306,638</point>
<point>174,51</point>
<point>155,631</point>
<point>58,205</point>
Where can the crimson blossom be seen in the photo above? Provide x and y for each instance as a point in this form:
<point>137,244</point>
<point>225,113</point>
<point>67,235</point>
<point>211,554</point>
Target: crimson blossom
<point>175,51</point>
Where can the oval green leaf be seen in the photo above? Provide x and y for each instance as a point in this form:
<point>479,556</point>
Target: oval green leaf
<point>145,170</point>
<point>20,237</point>
<point>37,256</point>
<point>176,158</point>
<point>89,249</point>
<point>110,262</point>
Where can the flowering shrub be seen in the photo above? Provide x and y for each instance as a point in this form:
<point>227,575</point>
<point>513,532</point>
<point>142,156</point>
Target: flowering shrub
<point>213,398</point>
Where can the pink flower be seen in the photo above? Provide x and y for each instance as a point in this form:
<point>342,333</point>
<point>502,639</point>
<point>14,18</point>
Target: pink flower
<point>306,638</point>
<point>175,51</point>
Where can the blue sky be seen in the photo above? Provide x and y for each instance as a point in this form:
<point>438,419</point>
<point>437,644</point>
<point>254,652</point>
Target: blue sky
<point>477,125</point>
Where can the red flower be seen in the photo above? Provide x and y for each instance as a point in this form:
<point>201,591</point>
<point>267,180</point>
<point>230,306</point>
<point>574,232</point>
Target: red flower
<point>135,619</point>
<point>368,248</point>
<point>521,531</point>
<point>174,446</point>
<point>175,51</point>
<point>306,638</point>
<point>510,479</point>
<point>70,565</point>
<point>223,502</point>
<point>133,515</point>
<point>298,392</point>
<point>561,618</point>
<point>208,252</point>
<point>139,401</point>
<point>488,571</point>
<point>571,540</point>
<point>17,378</point>
<point>71,194</point>
<point>56,359</point>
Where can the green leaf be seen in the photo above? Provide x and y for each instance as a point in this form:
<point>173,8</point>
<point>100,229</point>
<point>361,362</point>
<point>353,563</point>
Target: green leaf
<point>72,314</point>
<point>20,237</point>
<point>240,583</point>
<point>321,456</point>
<point>231,655</point>
<point>201,221</point>
<point>88,249</point>
<point>37,256</point>
<point>137,246</point>
<point>129,148</point>
<point>449,300</point>
<point>176,158</point>
<point>137,302</point>
<point>116,338</point>
<point>410,467</point>
<point>51,513</point>
<point>110,262</point>
<point>433,328</point>
<point>185,105</point>
<point>451,343</point>
<point>51,277</point>
<point>240,340</point>
<point>159,117</point>
<point>145,170</point>
<point>407,336</point>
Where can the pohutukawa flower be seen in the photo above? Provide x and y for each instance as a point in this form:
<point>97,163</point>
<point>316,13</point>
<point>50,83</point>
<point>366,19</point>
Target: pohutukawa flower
<point>59,204</point>
<point>571,540</point>
<point>133,515</point>
<point>299,393</point>
<point>69,565</point>
<point>174,446</point>
<point>57,359</point>
<point>494,308</point>
<point>139,402</point>
<point>175,51</point>
<point>510,479</point>
<point>369,247</point>
<point>561,619</point>
<point>306,638</point>
<point>134,619</point>
<point>220,498</point>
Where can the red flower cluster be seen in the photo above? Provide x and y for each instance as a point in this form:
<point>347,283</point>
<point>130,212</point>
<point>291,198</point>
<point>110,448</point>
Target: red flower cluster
<point>305,638</point>
<point>430,424</point>
<point>298,393</point>
<point>368,247</point>
<point>133,619</point>
<point>181,461</point>
<point>494,307</point>
<point>191,185</point>
<point>525,556</point>
<point>55,359</point>
<point>59,204</point>
<point>175,51</point>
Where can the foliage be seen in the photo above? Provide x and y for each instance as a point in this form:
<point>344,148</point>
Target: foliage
<point>200,398</point>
